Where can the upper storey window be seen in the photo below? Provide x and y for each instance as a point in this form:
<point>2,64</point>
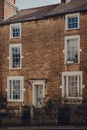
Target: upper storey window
<point>72,21</point>
<point>72,49</point>
<point>15,58</point>
<point>15,30</point>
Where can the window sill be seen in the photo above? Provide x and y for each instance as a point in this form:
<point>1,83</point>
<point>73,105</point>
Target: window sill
<point>73,100</point>
<point>15,100</point>
<point>69,63</point>
<point>67,29</point>
<point>15,68</point>
<point>38,107</point>
<point>15,37</point>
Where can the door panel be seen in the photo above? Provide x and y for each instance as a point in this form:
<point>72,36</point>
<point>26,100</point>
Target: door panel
<point>38,95</point>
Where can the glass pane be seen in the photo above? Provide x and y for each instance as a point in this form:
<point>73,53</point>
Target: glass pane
<point>65,87</point>
<point>10,89</point>
<point>73,22</point>
<point>80,86</point>
<point>76,19</point>
<point>72,50</point>
<point>16,57</point>
<point>75,25</point>
<point>16,89</point>
<point>16,31</point>
<point>73,86</point>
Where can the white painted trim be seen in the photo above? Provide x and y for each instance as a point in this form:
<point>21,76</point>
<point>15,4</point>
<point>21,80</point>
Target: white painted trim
<point>6,89</point>
<point>15,25</point>
<point>21,78</point>
<point>67,1</point>
<point>72,15</point>
<point>10,54</point>
<point>8,57</point>
<point>70,38</point>
<point>71,73</point>
<point>80,50</point>
<point>83,86</point>
<point>37,82</point>
<point>63,51</point>
<point>22,57</point>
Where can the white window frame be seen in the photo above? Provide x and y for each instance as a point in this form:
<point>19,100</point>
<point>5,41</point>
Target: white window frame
<point>37,82</point>
<point>79,50</point>
<point>19,45</point>
<point>72,15</point>
<point>15,25</point>
<point>74,73</point>
<point>21,78</point>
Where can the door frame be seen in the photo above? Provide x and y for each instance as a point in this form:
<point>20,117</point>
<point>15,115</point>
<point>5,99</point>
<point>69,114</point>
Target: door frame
<point>37,82</point>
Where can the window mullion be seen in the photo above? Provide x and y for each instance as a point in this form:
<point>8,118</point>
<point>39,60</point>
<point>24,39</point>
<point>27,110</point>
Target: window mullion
<point>21,91</point>
<point>67,89</point>
<point>20,57</point>
<point>78,51</point>
<point>11,89</point>
<point>78,85</point>
<point>11,58</point>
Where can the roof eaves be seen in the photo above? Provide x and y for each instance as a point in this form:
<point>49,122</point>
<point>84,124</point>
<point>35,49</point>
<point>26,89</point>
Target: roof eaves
<point>43,17</point>
<point>64,13</point>
<point>23,20</point>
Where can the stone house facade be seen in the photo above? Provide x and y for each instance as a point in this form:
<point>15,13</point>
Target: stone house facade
<point>43,53</point>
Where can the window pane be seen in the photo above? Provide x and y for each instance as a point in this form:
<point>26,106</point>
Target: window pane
<point>10,89</point>
<point>76,19</point>
<point>73,22</point>
<point>65,86</point>
<point>79,86</point>
<point>72,86</point>
<point>16,89</point>
<point>16,31</point>
<point>15,57</point>
<point>72,50</point>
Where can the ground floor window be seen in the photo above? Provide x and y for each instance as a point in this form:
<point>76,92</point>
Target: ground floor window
<point>72,84</point>
<point>15,88</point>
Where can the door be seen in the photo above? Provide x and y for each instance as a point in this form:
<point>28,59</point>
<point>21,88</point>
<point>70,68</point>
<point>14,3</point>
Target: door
<point>38,95</point>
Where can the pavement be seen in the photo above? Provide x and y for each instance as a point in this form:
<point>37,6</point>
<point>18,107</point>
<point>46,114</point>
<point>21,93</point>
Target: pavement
<point>46,128</point>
